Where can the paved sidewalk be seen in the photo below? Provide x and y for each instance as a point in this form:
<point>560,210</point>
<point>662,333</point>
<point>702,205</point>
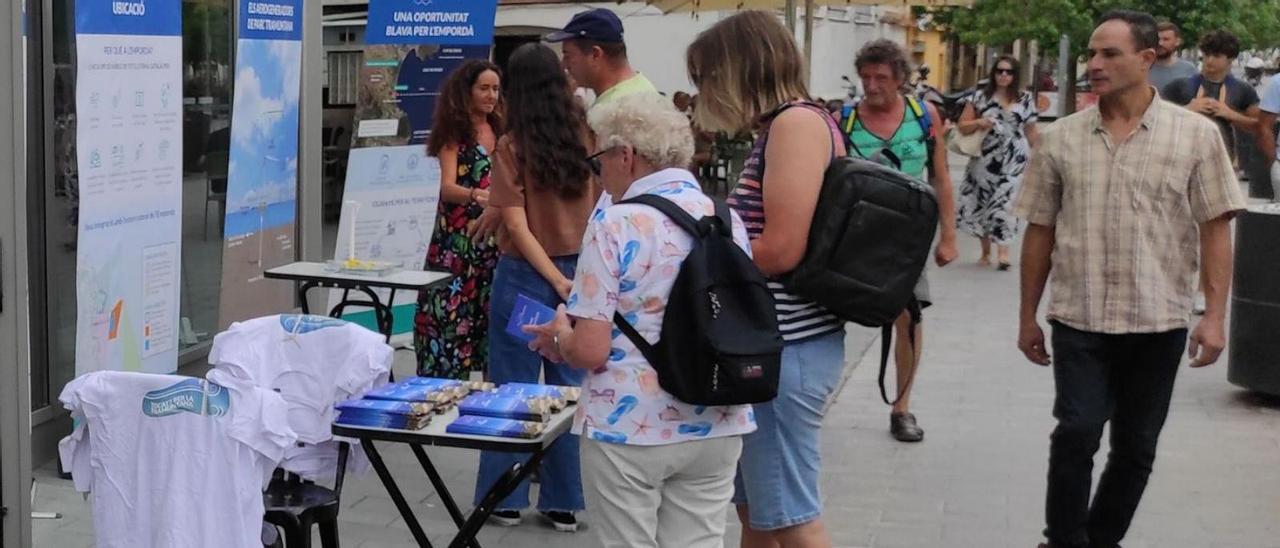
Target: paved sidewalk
<point>976,481</point>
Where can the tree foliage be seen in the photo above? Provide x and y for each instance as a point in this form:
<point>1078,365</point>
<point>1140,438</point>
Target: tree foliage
<point>1001,22</point>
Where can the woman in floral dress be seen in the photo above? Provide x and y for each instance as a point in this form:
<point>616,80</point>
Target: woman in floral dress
<point>451,324</point>
<point>1009,116</point>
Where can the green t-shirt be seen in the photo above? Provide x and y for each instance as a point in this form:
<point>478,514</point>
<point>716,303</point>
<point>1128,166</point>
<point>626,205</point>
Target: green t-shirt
<point>909,143</point>
<point>634,84</point>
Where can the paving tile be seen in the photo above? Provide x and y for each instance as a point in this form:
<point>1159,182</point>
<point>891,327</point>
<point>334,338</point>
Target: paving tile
<point>976,481</point>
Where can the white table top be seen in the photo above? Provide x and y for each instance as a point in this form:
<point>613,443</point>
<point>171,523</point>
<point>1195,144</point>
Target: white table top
<point>435,434</point>
<point>400,279</point>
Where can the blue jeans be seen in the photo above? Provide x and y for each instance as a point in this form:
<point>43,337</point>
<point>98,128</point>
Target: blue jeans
<point>779,471</point>
<point>1126,380</point>
<point>510,360</point>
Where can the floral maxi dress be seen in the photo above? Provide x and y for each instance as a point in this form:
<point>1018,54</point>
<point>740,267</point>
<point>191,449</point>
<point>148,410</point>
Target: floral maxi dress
<point>451,323</point>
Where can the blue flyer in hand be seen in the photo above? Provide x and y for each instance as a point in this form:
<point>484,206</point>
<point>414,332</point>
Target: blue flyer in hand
<point>528,312</point>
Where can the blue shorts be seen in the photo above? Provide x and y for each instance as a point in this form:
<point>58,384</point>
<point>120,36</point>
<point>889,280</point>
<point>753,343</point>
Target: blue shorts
<point>779,471</point>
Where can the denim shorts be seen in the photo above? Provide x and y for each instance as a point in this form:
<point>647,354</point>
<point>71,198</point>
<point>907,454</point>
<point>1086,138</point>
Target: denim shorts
<point>780,468</point>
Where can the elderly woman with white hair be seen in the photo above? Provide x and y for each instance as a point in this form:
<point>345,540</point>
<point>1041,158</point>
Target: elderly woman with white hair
<point>657,471</point>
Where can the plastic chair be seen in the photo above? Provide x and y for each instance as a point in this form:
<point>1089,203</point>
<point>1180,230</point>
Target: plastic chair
<point>295,506</point>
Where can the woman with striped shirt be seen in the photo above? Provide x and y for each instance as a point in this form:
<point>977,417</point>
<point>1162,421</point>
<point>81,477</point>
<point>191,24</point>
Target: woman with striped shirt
<point>751,76</point>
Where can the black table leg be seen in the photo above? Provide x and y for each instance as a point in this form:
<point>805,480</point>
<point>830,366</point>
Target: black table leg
<point>504,486</point>
<point>442,490</point>
<point>396,496</point>
<point>391,319</point>
<point>303,289</point>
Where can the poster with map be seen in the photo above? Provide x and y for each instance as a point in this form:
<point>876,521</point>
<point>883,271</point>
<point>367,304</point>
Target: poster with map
<point>129,143</point>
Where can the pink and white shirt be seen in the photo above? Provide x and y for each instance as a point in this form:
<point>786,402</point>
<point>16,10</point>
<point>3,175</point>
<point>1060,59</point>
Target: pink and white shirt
<point>630,257</point>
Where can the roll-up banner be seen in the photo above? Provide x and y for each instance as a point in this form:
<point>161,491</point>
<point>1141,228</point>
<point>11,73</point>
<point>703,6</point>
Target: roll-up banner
<point>129,144</point>
<point>262,176</point>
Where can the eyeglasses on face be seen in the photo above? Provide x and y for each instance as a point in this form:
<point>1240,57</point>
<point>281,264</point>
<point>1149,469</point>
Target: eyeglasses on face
<point>1004,71</point>
<point>593,161</point>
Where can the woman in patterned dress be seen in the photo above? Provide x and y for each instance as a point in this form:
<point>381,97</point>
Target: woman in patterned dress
<point>991,180</point>
<point>451,324</point>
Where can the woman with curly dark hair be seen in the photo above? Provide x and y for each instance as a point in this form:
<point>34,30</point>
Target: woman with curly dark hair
<point>543,187</point>
<point>451,324</point>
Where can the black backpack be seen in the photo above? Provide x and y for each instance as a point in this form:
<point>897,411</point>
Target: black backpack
<point>868,245</point>
<point>720,343</point>
<point>870,239</point>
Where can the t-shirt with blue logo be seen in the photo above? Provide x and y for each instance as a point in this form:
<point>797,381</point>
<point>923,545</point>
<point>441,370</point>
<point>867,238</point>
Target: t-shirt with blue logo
<point>173,461</point>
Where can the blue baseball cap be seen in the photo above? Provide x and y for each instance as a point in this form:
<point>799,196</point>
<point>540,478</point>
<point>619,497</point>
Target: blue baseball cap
<point>597,25</point>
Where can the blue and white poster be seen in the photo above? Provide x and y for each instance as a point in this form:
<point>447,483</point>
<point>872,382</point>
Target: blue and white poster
<point>443,22</point>
<point>393,188</point>
<point>262,176</point>
<point>129,143</point>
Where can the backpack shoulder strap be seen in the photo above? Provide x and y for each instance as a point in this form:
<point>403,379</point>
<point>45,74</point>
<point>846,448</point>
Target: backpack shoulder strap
<point>848,115</point>
<point>922,116</point>
<point>722,213</point>
<point>669,208</point>
<point>686,222</point>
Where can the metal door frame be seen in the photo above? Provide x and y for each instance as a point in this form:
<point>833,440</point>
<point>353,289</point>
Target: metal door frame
<point>15,389</point>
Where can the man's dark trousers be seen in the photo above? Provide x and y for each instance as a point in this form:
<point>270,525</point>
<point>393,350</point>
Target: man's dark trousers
<point>1125,379</point>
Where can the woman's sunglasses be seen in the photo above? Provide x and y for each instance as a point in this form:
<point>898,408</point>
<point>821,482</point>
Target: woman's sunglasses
<point>1004,71</point>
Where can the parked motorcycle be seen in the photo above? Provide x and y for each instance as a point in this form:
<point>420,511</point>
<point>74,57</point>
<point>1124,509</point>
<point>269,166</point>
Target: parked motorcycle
<point>948,105</point>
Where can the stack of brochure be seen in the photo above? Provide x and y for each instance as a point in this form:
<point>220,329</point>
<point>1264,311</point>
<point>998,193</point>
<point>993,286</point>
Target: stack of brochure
<point>476,425</point>
<point>385,413</point>
<point>521,408</point>
<point>560,396</point>
<point>442,394</point>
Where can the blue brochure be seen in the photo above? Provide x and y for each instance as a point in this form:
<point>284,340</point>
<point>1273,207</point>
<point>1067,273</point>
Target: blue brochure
<point>492,426</point>
<point>407,391</point>
<point>432,382</point>
<point>561,393</point>
<point>385,407</point>
<point>506,407</point>
<point>528,312</point>
<point>384,421</point>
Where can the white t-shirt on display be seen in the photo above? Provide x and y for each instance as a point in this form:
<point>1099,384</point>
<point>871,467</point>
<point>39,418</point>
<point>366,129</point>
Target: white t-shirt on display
<point>314,362</point>
<point>173,461</point>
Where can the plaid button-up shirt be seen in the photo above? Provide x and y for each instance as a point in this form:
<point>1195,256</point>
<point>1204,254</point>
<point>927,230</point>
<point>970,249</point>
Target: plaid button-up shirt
<point>1127,215</point>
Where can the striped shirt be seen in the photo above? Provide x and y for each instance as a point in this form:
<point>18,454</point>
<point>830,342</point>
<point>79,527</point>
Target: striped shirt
<point>798,319</point>
<point>1126,215</point>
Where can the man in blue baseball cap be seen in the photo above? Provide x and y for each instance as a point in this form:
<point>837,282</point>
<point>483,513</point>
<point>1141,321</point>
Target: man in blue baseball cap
<point>596,55</point>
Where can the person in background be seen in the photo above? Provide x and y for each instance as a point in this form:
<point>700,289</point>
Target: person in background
<point>595,55</point>
<point>543,187</point>
<point>1270,107</point>
<point>885,120</point>
<point>655,474</point>
<point>451,323</point>
<point>1124,201</point>
<point>1253,73</point>
<point>1216,93</point>
<point>835,106</point>
<point>1009,116</point>
<point>683,103</point>
<point>1168,66</point>
<point>750,76</point>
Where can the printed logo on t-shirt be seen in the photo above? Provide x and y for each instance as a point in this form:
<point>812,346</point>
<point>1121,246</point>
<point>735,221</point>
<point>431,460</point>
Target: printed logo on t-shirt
<point>187,396</point>
<point>299,323</point>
